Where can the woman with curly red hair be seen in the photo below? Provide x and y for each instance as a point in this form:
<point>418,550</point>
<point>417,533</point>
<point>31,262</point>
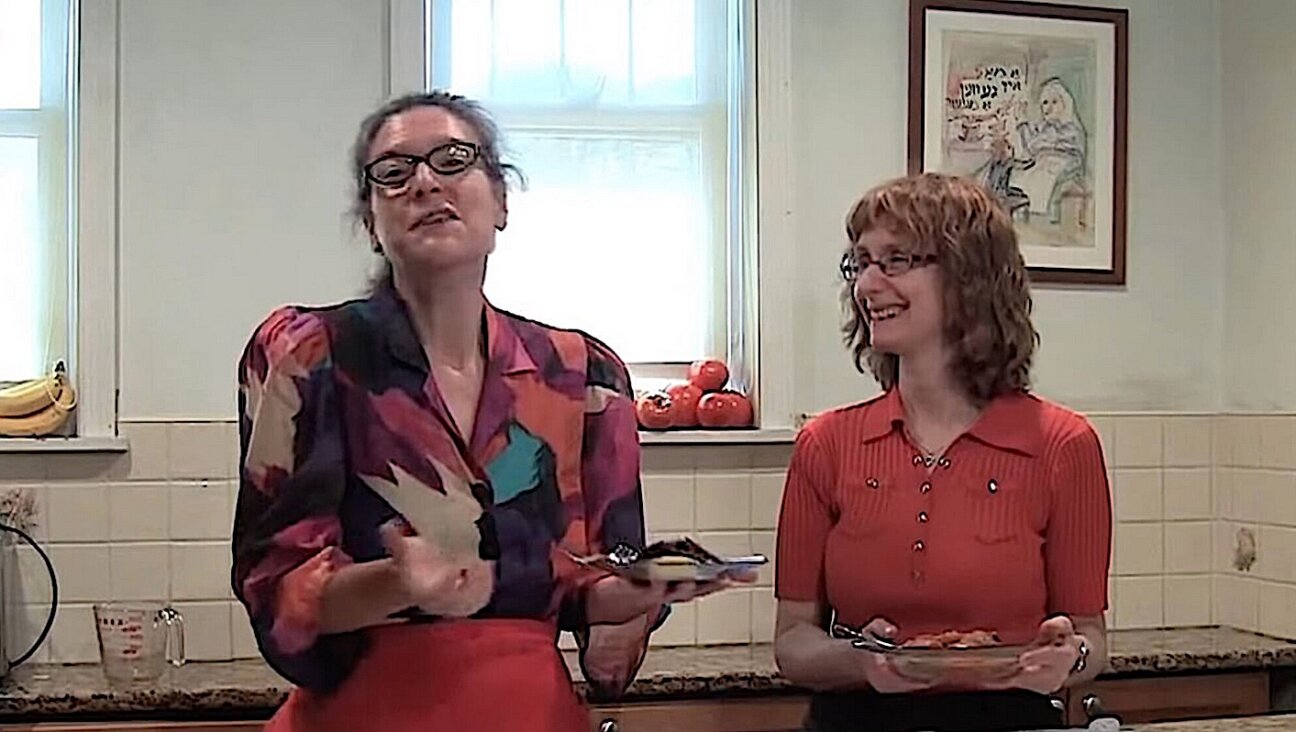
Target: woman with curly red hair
<point>956,500</point>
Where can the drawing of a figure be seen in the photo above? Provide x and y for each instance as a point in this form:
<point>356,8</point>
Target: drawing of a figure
<point>1053,154</point>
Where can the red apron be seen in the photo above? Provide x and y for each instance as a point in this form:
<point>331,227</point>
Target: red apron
<point>466,675</point>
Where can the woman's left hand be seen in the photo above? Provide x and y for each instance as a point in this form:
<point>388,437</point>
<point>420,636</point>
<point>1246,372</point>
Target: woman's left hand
<point>1050,659</point>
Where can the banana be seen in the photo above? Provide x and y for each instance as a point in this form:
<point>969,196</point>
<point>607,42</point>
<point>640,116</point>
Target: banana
<point>44,421</point>
<point>33,395</point>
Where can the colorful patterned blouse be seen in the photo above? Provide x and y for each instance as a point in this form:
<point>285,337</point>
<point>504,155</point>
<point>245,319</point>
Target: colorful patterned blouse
<point>340,420</point>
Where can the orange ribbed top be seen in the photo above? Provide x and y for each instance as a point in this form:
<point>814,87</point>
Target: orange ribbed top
<point>1013,523</point>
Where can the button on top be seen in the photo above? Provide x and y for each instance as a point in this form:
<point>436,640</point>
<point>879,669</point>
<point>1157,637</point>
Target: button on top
<point>919,545</point>
<point>922,517</point>
<point>944,462</point>
<point>925,488</point>
<point>917,459</point>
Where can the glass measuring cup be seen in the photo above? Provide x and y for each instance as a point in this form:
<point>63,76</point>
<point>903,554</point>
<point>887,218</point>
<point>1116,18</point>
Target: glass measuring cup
<point>137,640</point>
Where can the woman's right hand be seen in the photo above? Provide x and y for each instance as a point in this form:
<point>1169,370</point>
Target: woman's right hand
<point>436,583</point>
<point>879,672</point>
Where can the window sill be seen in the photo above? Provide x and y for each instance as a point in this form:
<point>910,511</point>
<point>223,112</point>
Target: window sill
<point>62,444</point>
<point>719,437</point>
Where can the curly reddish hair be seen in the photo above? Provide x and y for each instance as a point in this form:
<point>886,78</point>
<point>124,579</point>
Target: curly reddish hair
<point>986,290</point>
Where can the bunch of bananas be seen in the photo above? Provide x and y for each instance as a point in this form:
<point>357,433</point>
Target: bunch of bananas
<point>37,407</point>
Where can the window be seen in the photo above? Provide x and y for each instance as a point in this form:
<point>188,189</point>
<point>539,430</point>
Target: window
<point>34,187</point>
<point>631,120</point>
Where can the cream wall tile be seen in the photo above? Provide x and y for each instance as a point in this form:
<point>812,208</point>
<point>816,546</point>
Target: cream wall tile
<point>138,511</point>
<point>767,497</point>
<point>73,638</point>
<point>23,625</point>
<point>35,495</point>
<point>1222,542</point>
<point>201,510</point>
<point>1246,442</point>
<point>1105,428</point>
<point>1277,610</point>
<point>680,629</point>
<point>668,502</point>
<point>771,456</point>
<point>242,640</point>
<point>1276,554</point>
<point>763,542</point>
<point>199,450</point>
<point>1237,602</point>
<point>1188,601</point>
<point>1188,547</point>
<point>1110,615</point>
<point>1138,442</point>
<point>231,440</point>
<point>764,609</point>
<point>77,512</point>
<point>149,445</point>
<point>1245,495</point>
<point>1276,497</point>
<point>82,572</point>
<point>723,501</point>
<point>87,467</point>
<point>724,617</point>
<point>1222,493</point>
<point>1187,494</point>
<point>1139,602</point>
<point>23,468</point>
<point>1188,442</point>
<point>726,543</point>
<point>200,571</point>
<point>1137,495</point>
<point>668,459</point>
<point>140,571</point>
<point>26,578</point>
<point>1139,549</point>
<point>723,458</point>
<point>1222,441</point>
<point>207,630</point>
<point>1278,442</point>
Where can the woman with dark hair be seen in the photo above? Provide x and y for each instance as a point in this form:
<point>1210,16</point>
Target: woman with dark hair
<point>418,469</point>
<point>954,502</point>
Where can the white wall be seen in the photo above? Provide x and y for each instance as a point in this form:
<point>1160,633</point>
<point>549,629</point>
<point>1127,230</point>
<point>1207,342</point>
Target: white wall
<point>1152,345</point>
<point>1259,187</point>
<point>236,116</point>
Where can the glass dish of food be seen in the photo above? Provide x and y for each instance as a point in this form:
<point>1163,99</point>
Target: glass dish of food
<point>671,561</point>
<point>951,657</point>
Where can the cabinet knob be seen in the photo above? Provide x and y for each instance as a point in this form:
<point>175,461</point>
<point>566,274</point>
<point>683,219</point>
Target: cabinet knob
<point>609,725</point>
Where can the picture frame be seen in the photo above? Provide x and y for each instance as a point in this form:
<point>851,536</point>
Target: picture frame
<point>1031,100</point>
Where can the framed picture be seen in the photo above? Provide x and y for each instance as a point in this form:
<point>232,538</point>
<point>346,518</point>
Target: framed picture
<point>1030,100</point>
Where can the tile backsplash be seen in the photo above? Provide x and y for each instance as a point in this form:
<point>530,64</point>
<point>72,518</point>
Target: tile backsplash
<point>1192,494</point>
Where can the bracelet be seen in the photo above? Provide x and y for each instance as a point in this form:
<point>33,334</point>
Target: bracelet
<point>1083,660</point>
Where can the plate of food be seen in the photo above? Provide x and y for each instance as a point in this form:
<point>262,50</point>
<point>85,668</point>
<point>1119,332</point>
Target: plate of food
<point>950,657</point>
<point>675,560</point>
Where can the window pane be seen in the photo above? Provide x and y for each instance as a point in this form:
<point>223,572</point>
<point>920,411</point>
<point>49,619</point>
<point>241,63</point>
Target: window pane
<point>21,314</point>
<point>20,54</point>
<point>611,237</point>
<point>664,66</point>
<point>573,52</point>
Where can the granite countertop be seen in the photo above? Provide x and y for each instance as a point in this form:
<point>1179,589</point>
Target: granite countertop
<point>237,686</point>
<point>1277,723</point>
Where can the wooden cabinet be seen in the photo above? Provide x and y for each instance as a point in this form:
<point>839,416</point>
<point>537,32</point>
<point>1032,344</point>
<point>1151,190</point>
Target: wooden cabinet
<point>769,714</point>
<point>1167,698</point>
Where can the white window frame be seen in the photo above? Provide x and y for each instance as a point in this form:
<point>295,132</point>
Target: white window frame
<point>93,225</point>
<point>760,291</point>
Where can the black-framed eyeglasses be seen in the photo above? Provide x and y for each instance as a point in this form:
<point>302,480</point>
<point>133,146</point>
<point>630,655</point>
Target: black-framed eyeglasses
<point>393,170</point>
<point>895,263</point>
